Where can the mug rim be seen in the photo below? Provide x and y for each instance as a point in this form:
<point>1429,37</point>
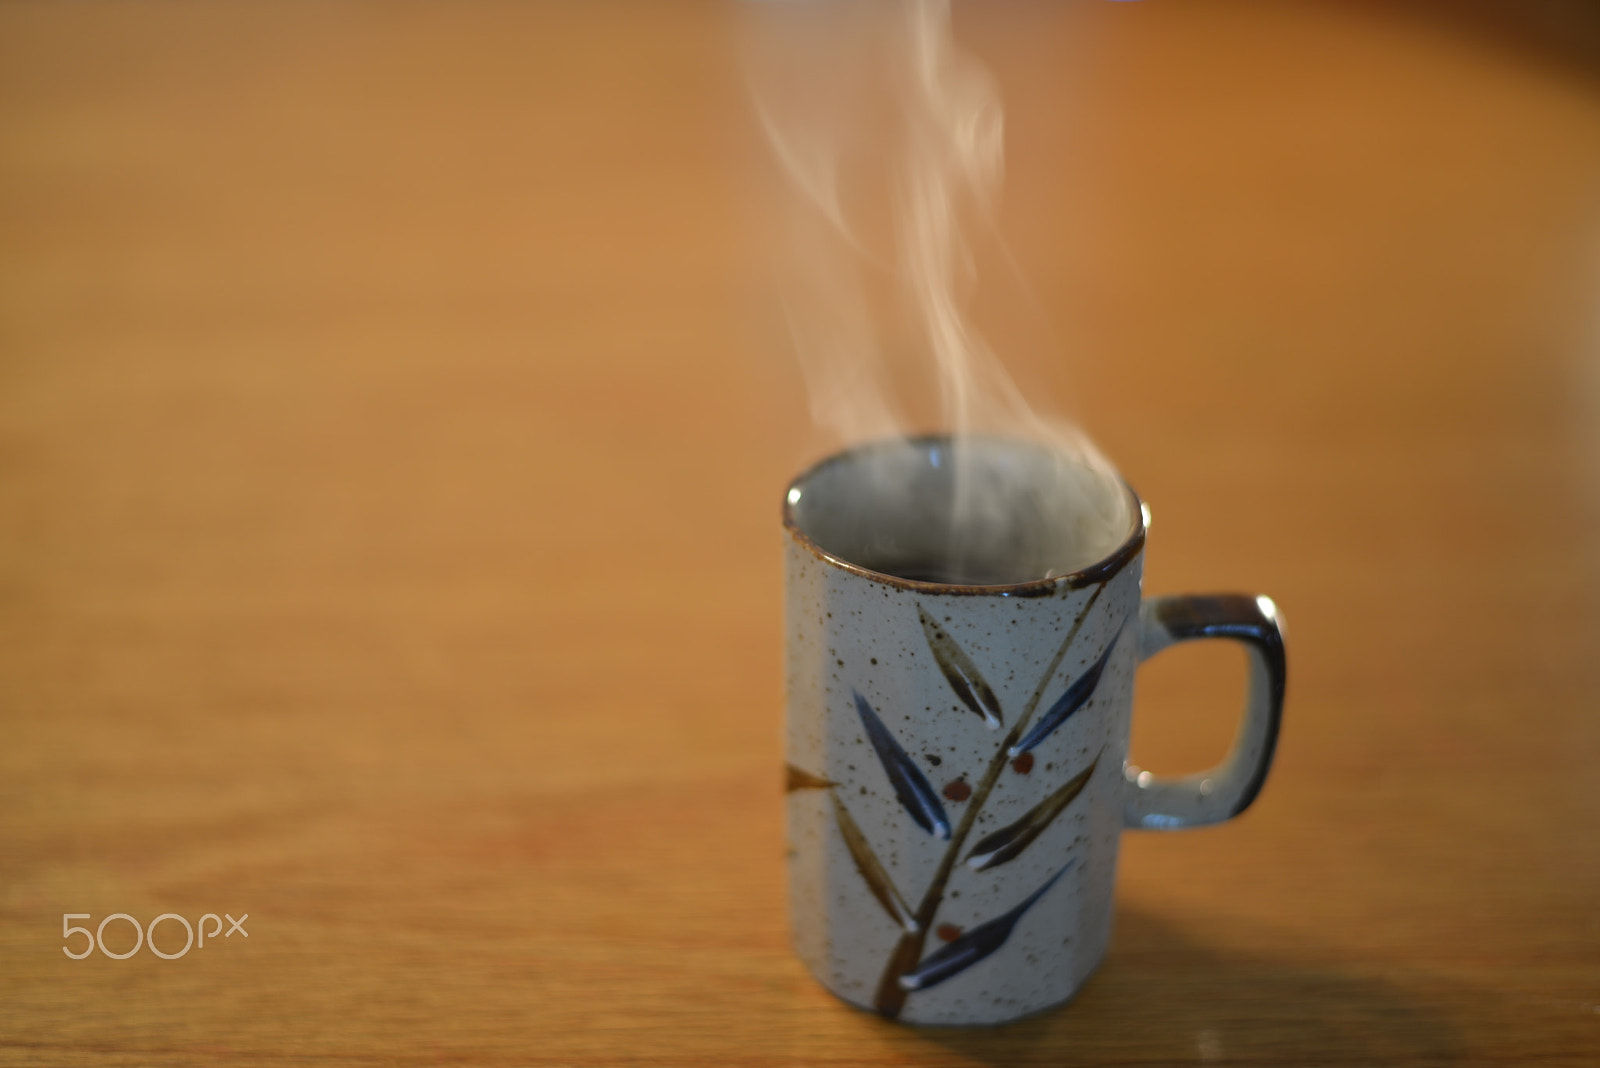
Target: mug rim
<point>1099,571</point>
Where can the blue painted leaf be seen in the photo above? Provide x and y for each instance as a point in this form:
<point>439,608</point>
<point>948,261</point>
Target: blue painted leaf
<point>906,778</point>
<point>976,944</point>
<point>1007,842</point>
<point>1076,697</point>
<point>960,672</point>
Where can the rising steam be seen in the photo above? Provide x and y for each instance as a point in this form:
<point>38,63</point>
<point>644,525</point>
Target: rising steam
<point>890,139</point>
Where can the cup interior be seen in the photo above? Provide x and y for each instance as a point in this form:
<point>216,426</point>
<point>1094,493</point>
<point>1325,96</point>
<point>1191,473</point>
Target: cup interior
<point>970,511</point>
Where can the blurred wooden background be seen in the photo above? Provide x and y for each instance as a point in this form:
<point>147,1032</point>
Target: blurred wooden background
<point>392,422</point>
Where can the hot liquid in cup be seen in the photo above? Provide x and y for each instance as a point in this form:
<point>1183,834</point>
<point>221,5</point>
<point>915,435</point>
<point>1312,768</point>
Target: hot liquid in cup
<point>976,511</point>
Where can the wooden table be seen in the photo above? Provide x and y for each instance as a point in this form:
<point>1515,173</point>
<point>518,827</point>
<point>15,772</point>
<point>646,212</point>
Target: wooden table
<point>393,416</point>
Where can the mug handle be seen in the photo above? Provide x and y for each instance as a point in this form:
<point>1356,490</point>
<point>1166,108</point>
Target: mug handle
<point>1227,789</point>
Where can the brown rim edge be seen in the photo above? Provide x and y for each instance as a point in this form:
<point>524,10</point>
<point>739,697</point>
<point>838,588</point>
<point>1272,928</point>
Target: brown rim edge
<point>1102,570</point>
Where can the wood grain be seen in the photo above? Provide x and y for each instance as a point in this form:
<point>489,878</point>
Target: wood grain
<point>392,421</point>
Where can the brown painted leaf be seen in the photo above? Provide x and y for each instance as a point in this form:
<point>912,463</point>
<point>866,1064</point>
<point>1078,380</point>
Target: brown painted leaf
<point>1007,842</point>
<point>798,779</point>
<point>960,672</point>
<point>872,869</point>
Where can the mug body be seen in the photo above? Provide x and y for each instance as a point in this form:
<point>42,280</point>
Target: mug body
<point>955,754</point>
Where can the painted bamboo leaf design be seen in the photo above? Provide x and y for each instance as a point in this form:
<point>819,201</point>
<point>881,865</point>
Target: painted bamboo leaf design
<point>1076,696</point>
<point>871,869</point>
<point>890,997</point>
<point>961,673</point>
<point>902,974</point>
<point>976,944</point>
<point>907,779</point>
<point>1007,842</point>
<point>799,779</point>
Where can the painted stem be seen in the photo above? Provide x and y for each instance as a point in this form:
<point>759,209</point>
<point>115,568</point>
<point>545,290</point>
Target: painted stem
<point>891,997</point>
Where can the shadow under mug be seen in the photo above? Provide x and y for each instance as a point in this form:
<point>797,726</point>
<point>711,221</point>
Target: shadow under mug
<point>957,750</point>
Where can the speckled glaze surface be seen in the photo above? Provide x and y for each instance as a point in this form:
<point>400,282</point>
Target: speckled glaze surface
<point>956,779</point>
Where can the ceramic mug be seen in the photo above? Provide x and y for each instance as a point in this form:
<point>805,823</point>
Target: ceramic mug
<point>957,735</point>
